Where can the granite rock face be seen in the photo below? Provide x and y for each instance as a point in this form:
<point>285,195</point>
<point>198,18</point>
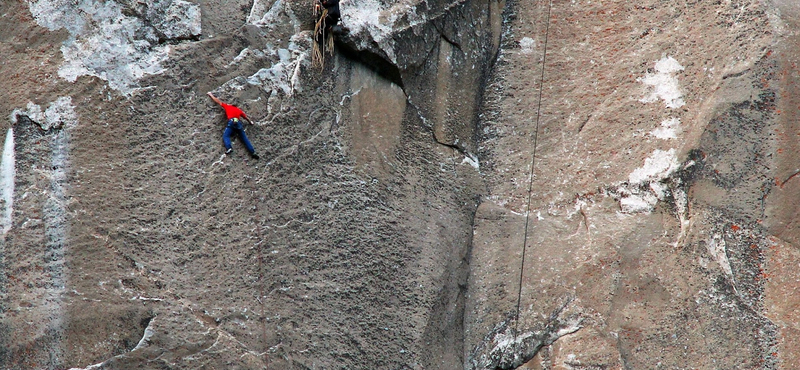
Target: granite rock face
<point>464,184</point>
<point>651,137</point>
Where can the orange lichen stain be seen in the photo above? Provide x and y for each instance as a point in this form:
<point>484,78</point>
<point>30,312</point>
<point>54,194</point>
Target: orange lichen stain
<point>735,228</point>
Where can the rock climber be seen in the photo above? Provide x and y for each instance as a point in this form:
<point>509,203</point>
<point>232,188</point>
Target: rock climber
<point>234,127</point>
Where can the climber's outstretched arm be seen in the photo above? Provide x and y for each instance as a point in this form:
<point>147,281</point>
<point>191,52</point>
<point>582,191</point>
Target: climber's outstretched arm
<point>214,98</point>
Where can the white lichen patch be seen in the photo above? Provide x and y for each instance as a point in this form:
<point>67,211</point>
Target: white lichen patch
<point>507,341</point>
<point>32,111</point>
<point>664,84</point>
<point>283,76</point>
<point>366,16</point>
<point>110,45</point>
<point>60,113</point>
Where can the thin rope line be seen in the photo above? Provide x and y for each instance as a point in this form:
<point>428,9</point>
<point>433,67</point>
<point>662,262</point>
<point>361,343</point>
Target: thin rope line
<point>530,175</point>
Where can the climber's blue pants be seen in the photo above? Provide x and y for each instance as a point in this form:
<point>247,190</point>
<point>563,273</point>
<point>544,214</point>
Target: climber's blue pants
<point>235,128</point>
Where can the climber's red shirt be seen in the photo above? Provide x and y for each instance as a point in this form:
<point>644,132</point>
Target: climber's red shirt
<point>232,111</point>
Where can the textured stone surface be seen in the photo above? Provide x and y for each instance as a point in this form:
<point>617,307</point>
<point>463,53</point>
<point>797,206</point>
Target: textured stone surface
<point>346,245</point>
<point>465,184</point>
<point>655,160</point>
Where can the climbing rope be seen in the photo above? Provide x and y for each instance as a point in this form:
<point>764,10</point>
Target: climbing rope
<point>323,39</point>
<point>530,174</point>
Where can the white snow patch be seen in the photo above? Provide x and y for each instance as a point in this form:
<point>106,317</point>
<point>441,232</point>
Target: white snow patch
<point>7,174</point>
<point>657,167</point>
<point>669,129</point>
<point>664,84</point>
<point>526,45</point>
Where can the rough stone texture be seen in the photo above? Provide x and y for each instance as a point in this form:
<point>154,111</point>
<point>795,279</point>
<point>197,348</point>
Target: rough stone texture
<point>466,184</point>
<point>658,155</point>
<point>345,246</point>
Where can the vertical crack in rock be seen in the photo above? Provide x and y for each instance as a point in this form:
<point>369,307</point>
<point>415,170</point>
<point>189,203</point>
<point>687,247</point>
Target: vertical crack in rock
<point>469,159</point>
